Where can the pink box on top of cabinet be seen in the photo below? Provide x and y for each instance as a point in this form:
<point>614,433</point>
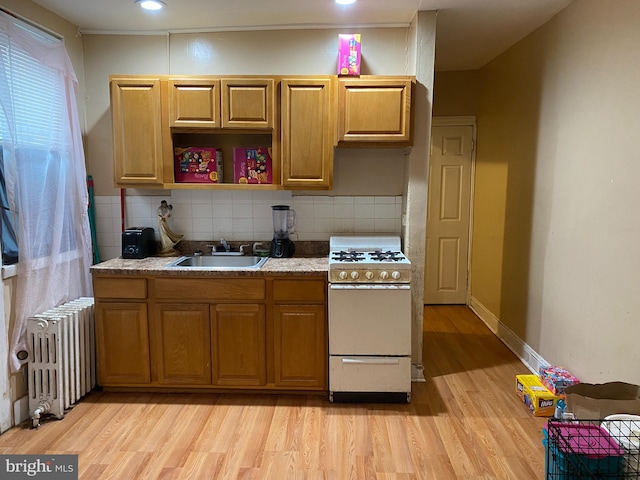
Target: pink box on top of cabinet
<point>349,46</point>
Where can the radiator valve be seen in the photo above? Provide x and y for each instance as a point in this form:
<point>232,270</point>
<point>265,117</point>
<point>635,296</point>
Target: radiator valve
<point>43,407</point>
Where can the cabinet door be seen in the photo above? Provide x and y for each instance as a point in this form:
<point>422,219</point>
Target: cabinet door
<point>300,346</point>
<point>138,138</point>
<point>194,103</point>
<point>181,345</point>
<point>374,110</point>
<point>308,132</point>
<point>122,341</point>
<point>247,103</point>
<point>238,339</point>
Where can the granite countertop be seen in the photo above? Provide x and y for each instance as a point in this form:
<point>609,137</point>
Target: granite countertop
<point>296,266</point>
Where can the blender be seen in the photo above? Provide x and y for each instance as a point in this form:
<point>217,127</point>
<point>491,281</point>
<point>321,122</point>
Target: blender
<point>284,218</point>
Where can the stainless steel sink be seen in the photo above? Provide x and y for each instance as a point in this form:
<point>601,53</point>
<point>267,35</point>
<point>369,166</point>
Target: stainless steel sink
<point>219,262</point>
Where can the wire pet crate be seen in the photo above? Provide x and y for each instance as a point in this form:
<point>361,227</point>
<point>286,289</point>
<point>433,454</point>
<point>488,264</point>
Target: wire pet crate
<point>593,449</point>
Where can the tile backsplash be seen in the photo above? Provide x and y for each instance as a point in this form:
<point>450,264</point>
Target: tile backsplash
<point>241,215</point>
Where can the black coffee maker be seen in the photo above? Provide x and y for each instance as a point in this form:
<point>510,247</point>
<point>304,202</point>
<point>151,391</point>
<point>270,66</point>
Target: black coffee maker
<point>284,218</point>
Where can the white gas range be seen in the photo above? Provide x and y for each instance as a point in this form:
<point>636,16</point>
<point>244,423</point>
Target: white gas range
<point>362,260</point>
<point>369,319</point>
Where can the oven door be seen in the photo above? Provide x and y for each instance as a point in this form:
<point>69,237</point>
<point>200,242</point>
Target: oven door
<point>370,319</point>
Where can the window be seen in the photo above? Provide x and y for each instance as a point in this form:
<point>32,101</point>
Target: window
<point>7,228</point>
<point>44,172</point>
<point>33,122</point>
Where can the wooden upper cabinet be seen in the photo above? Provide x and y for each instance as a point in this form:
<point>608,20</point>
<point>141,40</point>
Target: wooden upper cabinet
<point>308,132</point>
<point>138,123</point>
<point>375,110</point>
<point>194,103</point>
<point>248,103</point>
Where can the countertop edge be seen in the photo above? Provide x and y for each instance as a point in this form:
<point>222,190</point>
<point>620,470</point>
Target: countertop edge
<point>156,266</point>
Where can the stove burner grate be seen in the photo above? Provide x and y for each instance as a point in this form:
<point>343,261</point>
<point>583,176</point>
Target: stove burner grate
<point>351,256</point>
<point>380,256</point>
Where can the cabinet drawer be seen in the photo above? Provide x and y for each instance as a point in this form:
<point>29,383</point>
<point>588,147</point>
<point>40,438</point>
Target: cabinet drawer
<point>299,290</point>
<point>210,289</point>
<point>120,288</point>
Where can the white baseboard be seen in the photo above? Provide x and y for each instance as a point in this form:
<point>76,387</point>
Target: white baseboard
<point>21,410</point>
<point>531,359</point>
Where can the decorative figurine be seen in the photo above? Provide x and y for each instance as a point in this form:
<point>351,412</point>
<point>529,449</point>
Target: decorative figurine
<point>168,237</point>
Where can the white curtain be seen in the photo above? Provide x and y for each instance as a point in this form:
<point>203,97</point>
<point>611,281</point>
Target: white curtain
<point>45,174</point>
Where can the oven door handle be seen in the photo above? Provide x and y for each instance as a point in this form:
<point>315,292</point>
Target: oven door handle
<point>370,361</point>
<point>369,286</point>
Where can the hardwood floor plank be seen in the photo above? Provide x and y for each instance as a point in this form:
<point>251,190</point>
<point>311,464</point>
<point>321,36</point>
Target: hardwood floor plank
<point>337,446</point>
<point>310,453</point>
<point>365,467</point>
<point>256,422</point>
<point>464,422</point>
<point>202,466</point>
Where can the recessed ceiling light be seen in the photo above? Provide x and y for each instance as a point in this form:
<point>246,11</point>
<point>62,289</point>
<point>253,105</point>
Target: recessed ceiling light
<point>345,2</point>
<point>150,4</point>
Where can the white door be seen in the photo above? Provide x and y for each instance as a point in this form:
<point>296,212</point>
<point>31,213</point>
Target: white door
<point>447,247</point>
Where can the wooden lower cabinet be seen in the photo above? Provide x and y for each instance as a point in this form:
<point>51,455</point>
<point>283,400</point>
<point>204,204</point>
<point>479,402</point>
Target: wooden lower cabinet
<point>180,344</point>
<point>300,346</point>
<point>238,339</point>
<point>122,342</point>
<point>300,342</point>
<point>224,333</point>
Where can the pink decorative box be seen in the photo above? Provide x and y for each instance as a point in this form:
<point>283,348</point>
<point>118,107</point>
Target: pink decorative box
<point>198,165</point>
<point>556,379</point>
<point>349,54</point>
<point>252,165</point>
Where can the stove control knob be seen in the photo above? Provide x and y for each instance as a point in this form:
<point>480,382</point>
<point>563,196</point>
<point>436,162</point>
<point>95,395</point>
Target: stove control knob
<point>369,275</point>
<point>342,275</point>
<point>384,275</point>
<point>355,275</point>
<point>395,275</point>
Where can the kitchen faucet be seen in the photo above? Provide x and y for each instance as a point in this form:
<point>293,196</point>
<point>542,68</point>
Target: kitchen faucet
<point>222,247</point>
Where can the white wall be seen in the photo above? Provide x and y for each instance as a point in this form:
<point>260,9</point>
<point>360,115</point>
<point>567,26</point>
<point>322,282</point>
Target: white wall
<point>559,119</point>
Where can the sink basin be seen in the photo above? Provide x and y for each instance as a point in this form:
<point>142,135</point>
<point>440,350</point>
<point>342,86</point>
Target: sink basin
<point>219,262</point>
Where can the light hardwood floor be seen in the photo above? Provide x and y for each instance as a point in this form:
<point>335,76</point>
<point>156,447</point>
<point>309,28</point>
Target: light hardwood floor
<point>464,422</point>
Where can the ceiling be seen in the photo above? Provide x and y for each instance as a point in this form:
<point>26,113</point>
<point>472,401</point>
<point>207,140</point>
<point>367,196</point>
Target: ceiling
<point>469,33</point>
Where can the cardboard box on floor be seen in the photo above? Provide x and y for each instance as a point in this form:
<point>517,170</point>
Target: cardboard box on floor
<point>596,401</point>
